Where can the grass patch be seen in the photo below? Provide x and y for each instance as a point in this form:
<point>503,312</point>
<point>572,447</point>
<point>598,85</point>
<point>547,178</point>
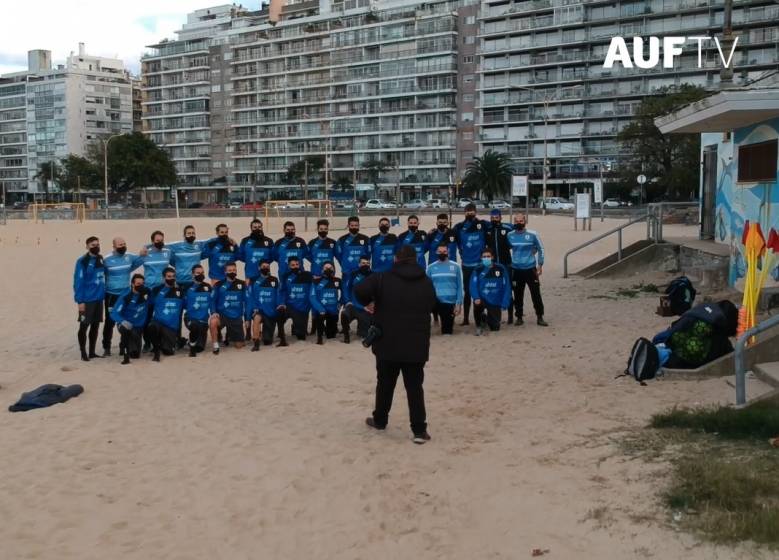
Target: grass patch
<point>646,288</point>
<point>725,480</point>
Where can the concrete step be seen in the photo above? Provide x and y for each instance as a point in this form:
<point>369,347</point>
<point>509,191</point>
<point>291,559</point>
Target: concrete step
<point>756,389</point>
<point>768,372</point>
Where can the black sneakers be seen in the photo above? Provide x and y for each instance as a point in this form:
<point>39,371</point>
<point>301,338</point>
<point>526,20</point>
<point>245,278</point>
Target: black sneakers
<point>419,439</point>
<point>372,423</point>
<point>542,323</point>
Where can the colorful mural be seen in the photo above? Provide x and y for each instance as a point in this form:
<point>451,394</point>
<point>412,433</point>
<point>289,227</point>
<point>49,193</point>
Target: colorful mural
<point>739,202</point>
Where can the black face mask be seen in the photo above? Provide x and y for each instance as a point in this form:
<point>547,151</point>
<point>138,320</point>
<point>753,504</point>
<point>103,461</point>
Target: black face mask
<point>189,239</point>
<point>383,229</point>
<point>413,229</point>
<point>231,275</point>
<point>294,270</point>
<point>441,257</point>
<point>519,227</point>
<point>224,238</point>
<point>289,234</point>
<point>365,269</point>
<point>170,281</point>
<point>265,271</point>
<point>327,273</point>
<point>121,250</point>
<point>140,289</point>
<point>200,277</point>
<point>95,250</point>
<point>441,227</point>
<point>322,234</point>
<point>470,218</point>
<point>354,230</point>
<point>159,244</point>
<point>256,234</point>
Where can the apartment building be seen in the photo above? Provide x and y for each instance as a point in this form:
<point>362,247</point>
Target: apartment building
<point>542,79</point>
<point>48,113</point>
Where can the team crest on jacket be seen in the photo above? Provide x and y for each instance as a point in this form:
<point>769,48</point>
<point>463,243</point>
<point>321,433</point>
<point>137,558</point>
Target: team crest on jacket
<point>497,273</point>
<point>272,283</point>
<point>238,286</point>
<point>478,226</point>
<point>503,232</point>
<point>451,239</point>
<point>362,242</point>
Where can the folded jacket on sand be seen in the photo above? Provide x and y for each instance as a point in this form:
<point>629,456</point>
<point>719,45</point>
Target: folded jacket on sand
<point>45,395</point>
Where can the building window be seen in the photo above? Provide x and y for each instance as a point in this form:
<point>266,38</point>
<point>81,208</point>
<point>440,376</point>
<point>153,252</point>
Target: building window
<point>468,98</point>
<point>470,20</point>
<point>757,162</point>
<point>469,40</point>
<point>216,88</point>
<point>467,135</point>
<point>466,117</point>
<point>468,79</point>
<point>467,60</point>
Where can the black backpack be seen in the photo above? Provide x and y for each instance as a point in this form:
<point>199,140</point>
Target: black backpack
<point>644,361</point>
<point>680,294</point>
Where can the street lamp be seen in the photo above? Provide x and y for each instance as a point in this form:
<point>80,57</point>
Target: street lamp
<point>105,168</point>
<point>546,101</point>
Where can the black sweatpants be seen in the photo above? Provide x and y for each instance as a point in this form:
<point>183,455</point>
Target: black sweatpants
<point>467,271</point>
<point>130,339</point>
<point>530,277</point>
<point>350,313</point>
<point>198,334</point>
<point>108,327</point>
<point>413,377</point>
<point>269,324</point>
<point>299,323</point>
<point>162,338</point>
<point>493,314</point>
<point>446,313</point>
<point>326,325</point>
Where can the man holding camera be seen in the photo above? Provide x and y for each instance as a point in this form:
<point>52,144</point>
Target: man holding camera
<point>401,301</point>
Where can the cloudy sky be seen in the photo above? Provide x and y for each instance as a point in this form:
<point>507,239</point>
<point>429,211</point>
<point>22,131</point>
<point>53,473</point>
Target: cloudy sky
<point>110,28</point>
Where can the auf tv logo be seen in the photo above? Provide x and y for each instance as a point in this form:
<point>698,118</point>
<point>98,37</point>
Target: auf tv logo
<point>672,47</point>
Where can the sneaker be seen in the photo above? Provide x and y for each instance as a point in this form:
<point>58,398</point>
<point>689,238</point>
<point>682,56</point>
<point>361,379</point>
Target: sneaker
<point>372,423</point>
<point>519,321</point>
<point>216,348</point>
<point>542,323</point>
<point>419,439</point>
<point>256,346</point>
<point>106,352</point>
<point>192,352</point>
<point>479,331</point>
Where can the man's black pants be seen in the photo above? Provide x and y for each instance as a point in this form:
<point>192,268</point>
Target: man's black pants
<point>350,313</point>
<point>326,325</point>
<point>467,271</point>
<point>520,279</point>
<point>163,339</point>
<point>413,376</point>
<point>269,324</point>
<point>130,340</point>
<point>108,327</point>
<point>493,315</point>
<point>198,334</point>
<point>446,313</point>
<point>299,323</point>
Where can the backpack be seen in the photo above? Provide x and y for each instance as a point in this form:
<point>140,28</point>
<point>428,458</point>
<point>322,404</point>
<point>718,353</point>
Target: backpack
<point>644,361</point>
<point>680,295</point>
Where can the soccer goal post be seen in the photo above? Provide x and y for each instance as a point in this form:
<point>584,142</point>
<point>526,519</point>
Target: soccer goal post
<point>61,211</point>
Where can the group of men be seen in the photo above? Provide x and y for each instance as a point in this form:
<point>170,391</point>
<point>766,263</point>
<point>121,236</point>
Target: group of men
<point>497,261</point>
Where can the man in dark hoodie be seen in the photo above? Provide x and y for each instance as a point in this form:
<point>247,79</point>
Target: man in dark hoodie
<point>401,301</point>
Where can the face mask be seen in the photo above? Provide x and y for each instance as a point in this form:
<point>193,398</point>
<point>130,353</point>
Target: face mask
<point>289,234</point>
<point>442,257</point>
<point>327,273</point>
<point>470,217</point>
<point>486,261</point>
<point>190,239</point>
<point>322,234</point>
<point>265,271</point>
<point>442,227</point>
<point>495,222</point>
<point>170,281</point>
<point>519,227</point>
<point>159,244</point>
<point>412,229</point>
<point>256,233</point>
<point>223,237</point>
<point>200,277</point>
<point>383,229</point>
<point>354,230</point>
<point>231,275</point>
<point>139,289</point>
<point>95,250</point>
<point>121,250</point>
<point>365,269</point>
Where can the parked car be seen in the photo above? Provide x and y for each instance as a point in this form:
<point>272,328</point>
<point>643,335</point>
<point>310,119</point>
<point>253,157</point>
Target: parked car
<point>463,202</point>
<point>250,206</point>
<point>500,205</point>
<point>213,206</point>
<point>438,203</point>
<point>344,205</point>
<point>295,206</point>
<point>235,205</point>
<point>373,204</point>
<point>611,203</point>
<point>555,203</point>
<point>388,205</point>
<point>195,205</point>
<point>415,204</point>
<point>19,205</point>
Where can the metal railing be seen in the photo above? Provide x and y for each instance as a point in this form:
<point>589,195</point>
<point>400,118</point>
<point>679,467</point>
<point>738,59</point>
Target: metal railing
<point>741,343</point>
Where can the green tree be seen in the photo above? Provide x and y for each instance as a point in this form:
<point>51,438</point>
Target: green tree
<point>489,175</point>
<point>375,167</point>
<point>296,172</point>
<point>79,172</point>
<point>47,171</point>
<point>134,162</point>
<point>670,161</point>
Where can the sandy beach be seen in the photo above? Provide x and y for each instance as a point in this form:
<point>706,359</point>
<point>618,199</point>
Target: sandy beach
<point>266,456</point>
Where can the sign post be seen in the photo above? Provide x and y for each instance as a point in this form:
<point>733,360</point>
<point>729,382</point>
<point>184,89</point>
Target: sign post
<point>641,179</point>
<point>519,187</point>
<point>598,193</point>
<point>582,211</point>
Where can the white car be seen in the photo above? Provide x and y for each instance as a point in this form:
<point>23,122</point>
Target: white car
<point>294,206</point>
<point>439,203</point>
<point>373,204</point>
<point>388,205</point>
<point>611,203</point>
<point>235,205</point>
<point>554,203</point>
<point>415,204</point>
<point>500,205</point>
<point>463,202</point>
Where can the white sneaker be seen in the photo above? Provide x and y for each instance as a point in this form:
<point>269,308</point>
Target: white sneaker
<point>479,331</point>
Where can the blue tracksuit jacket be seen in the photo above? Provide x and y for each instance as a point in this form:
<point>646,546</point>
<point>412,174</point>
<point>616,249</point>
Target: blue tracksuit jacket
<point>319,252</point>
<point>435,237</point>
<point>252,252</point>
<point>285,248</point>
<point>229,298</point>
<point>198,302</point>
<point>154,263</point>
<point>265,295</point>
<point>117,271</point>
<point>471,237</point>
<point>347,291</point>
<point>447,280</point>
<point>492,285</point>
<point>417,240</point>
<point>526,249</point>
<point>168,305</point>
<point>348,250</point>
<point>326,295</point>
<point>89,279</point>
<point>185,256</point>
<point>382,252</point>
<point>132,307</point>
<point>219,253</point>
<point>297,291</point>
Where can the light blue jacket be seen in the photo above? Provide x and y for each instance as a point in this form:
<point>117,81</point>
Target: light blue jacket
<point>526,249</point>
<point>447,280</point>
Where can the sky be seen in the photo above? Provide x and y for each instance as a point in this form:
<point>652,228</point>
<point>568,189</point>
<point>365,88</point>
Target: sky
<point>110,28</point>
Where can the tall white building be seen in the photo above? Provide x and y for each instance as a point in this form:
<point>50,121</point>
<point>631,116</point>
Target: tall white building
<point>65,109</point>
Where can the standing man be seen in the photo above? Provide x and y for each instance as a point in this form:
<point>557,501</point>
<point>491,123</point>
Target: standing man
<point>326,295</point>
<point>219,251</point>
<point>167,303</point>
<point>401,300</point>
<point>156,258</point>
<point>118,266</point>
<point>321,249</point>
<point>351,246</point>
<point>296,286</point>
<point>382,248</point>
<point>289,246</point>
<point>497,240</point>
<point>442,233</point>
<point>448,283</point>
<point>471,239</point>
<point>186,254</point>
<point>89,293</point>
<point>527,263</point>
<point>415,239</point>
<point>352,309</point>
<point>254,249</point>
<point>491,291</point>
<point>227,310</point>
<point>130,312</point>
<point>197,305</point>
<point>265,308</point>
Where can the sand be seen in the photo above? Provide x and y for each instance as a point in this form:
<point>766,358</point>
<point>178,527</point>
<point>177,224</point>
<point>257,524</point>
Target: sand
<point>255,456</point>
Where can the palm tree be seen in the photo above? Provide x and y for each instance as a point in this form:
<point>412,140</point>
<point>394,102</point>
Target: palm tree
<point>489,175</point>
<point>48,171</point>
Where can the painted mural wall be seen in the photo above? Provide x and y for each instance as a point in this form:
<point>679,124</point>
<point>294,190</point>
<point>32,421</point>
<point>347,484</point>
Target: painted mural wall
<point>739,202</point>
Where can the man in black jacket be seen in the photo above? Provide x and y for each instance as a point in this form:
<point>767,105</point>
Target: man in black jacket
<point>401,301</point>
